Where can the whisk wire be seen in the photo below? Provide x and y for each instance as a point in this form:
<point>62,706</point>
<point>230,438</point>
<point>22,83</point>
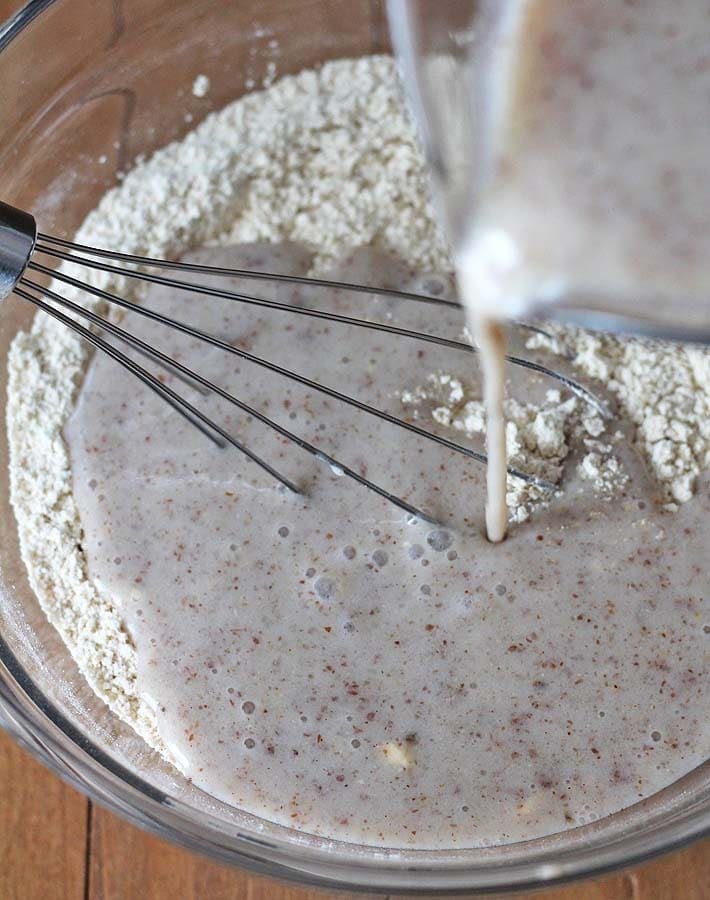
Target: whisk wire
<point>178,403</point>
<point>191,331</point>
<point>247,299</point>
<point>246,273</point>
<point>20,242</point>
<point>189,374</point>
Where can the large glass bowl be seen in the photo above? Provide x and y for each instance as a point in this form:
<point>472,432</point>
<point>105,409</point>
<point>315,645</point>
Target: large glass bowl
<point>85,79</point>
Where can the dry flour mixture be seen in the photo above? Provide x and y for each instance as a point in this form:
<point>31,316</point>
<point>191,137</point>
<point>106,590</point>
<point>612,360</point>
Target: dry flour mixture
<point>319,660</point>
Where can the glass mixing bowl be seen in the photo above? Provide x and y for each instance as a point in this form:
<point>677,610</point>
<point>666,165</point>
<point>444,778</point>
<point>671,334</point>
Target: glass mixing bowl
<point>86,86</point>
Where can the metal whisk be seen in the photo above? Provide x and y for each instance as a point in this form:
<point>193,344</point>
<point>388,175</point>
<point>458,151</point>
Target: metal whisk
<point>21,244</point>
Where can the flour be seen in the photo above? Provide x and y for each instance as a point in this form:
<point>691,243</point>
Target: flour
<point>539,437</point>
<point>200,86</point>
<point>663,389</point>
<point>325,158</point>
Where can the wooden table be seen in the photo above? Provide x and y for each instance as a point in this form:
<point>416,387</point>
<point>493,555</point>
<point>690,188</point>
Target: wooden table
<point>56,845</point>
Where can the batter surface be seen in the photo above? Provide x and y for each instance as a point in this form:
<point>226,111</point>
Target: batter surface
<point>326,663</point>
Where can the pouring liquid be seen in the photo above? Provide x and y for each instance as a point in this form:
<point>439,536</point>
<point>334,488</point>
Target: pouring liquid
<point>491,342</point>
<point>593,196</point>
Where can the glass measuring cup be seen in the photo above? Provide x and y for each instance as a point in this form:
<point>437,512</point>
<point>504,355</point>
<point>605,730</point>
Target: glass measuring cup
<point>475,71</point>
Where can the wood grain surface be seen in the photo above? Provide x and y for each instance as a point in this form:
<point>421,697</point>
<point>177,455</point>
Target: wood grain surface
<point>55,845</point>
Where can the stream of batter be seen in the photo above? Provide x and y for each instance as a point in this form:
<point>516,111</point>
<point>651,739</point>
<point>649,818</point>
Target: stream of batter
<point>324,662</point>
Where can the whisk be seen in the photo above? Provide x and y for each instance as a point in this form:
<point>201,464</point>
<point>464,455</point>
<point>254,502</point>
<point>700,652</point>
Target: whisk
<point>21,244</point>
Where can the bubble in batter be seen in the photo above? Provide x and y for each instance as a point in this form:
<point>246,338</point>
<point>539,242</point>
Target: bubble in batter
<point>380,558</point>
<point>439,540</point>
<point>325,587</point>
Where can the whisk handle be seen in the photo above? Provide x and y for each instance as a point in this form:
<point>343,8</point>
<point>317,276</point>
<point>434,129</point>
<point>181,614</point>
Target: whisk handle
<point>18,233</point>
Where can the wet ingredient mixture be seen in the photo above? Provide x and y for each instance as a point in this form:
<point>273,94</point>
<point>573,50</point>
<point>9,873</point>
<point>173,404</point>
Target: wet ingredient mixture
<point>318,659</point>
<point>598,116</point>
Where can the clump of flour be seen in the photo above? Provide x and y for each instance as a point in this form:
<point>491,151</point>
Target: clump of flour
<point>664,389</point>
<point>539,437</point>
